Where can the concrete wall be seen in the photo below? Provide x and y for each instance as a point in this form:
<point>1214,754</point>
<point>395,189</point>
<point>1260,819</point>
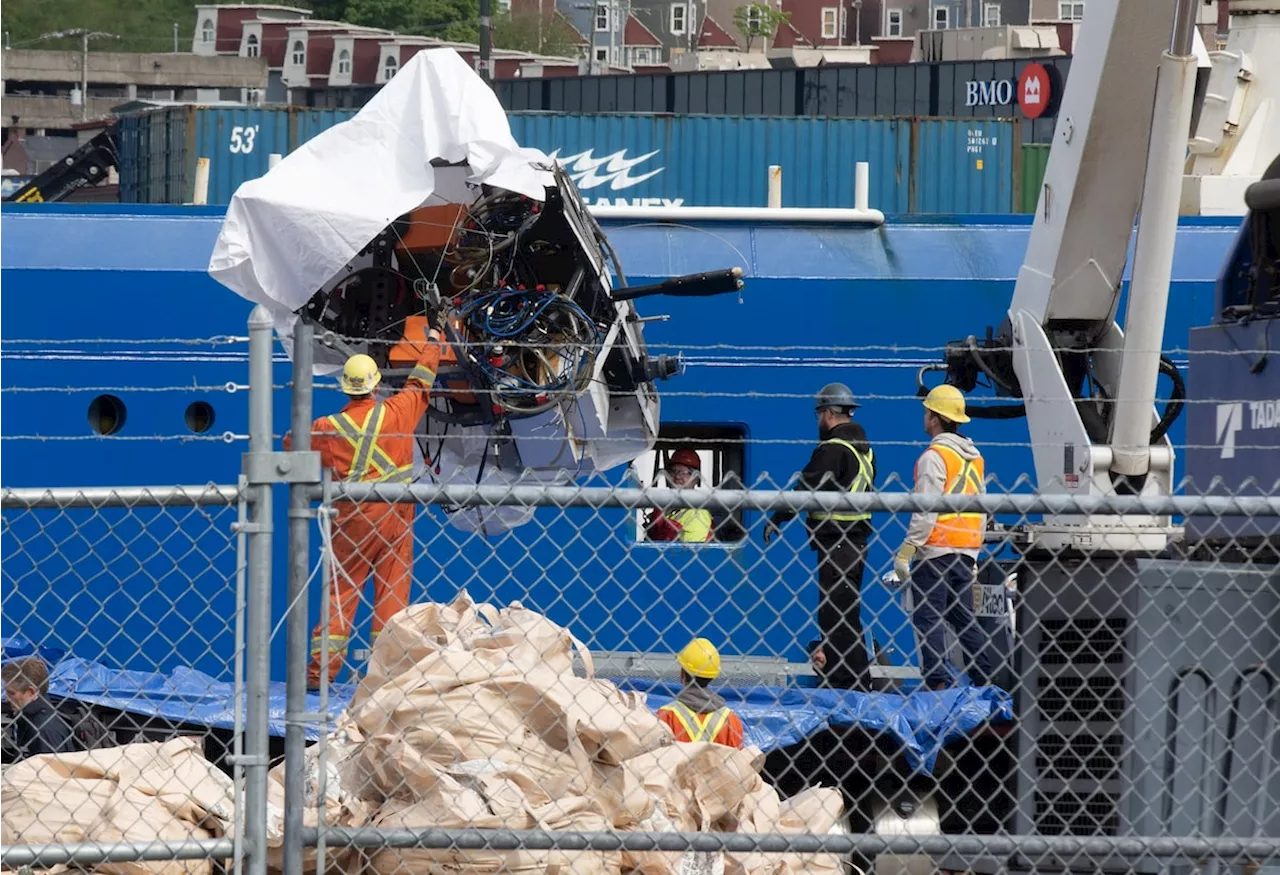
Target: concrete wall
<point>125,68</point>
<point>53,113</point>
<point>122,72</point>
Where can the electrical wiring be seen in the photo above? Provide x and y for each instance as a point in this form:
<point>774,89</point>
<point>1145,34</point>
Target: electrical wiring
<point>541,346</point>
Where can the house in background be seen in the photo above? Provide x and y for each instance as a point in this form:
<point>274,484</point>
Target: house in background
<point>333,64</point>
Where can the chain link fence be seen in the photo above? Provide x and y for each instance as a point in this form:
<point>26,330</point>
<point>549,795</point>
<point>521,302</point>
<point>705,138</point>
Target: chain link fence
<point>517,710</point>
<point>117,730</point>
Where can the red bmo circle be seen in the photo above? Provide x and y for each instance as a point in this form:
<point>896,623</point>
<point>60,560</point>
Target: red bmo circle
<point>1034,91</point>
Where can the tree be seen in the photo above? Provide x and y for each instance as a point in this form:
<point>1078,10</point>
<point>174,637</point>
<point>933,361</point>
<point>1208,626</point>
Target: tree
<point>758,20</point>
<point>330,10</point>
<point>455,20</point>
<point>145,25</point>
<point>543,34</point>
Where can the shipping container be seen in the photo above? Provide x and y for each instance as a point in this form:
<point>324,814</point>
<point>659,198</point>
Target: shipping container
<point>954,89</point>
<point>1035,158</point>
<point>645,160</point>
<point>159,148</point>
<point>308,123</point>
<point>963,165</point>
<point>916,165</point>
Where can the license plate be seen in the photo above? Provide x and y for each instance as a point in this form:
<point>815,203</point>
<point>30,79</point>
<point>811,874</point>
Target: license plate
<point>990,601</point>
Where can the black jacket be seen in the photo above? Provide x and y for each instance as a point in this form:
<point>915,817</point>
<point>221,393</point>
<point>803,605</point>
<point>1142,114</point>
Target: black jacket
<point>833,468</point>
<point>38,728</point>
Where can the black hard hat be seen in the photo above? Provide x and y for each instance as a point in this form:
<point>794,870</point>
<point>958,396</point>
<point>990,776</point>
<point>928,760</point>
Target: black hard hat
<point>836,395</point>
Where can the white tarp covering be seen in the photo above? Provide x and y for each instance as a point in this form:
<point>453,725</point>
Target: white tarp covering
<point>289,232</point>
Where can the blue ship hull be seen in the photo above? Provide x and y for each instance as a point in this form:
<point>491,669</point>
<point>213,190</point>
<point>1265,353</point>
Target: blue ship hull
<point>108,300</point>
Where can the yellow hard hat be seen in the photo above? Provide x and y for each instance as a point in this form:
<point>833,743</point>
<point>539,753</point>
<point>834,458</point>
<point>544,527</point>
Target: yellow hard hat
<point>360,375</point>
<point>947,401</point>
<point>700,659</point>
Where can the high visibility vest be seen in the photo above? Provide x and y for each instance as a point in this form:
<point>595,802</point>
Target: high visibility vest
<point>698,727</point>
<point>694,522</point>
<point>369,462</point>
<point>959,531</point>
<point>861,483</point>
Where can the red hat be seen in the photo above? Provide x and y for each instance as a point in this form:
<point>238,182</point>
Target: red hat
<point>686,457</point>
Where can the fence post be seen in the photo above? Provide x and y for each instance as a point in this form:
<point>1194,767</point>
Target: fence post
<point>775,186</point>
<point>258,644</point>
<point>297,652</point>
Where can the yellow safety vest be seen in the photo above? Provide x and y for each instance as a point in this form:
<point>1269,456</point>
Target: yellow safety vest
<point>861,483</point>
<point>959,531</point>
<point>699,727</point>
<point>369,462</point>
<point>694,522</point>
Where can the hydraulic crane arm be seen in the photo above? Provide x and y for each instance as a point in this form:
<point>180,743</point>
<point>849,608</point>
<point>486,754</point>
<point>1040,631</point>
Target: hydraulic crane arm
<point>1088,388</point>
<point>87,165</point>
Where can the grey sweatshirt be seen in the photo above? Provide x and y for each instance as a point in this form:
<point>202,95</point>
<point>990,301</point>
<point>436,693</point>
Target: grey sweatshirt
<point>931,479</point>
<point>700,700</point>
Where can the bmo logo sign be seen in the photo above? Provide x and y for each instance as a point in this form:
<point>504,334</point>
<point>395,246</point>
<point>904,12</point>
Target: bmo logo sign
<point>997,93</point>
<point>1032,91</point>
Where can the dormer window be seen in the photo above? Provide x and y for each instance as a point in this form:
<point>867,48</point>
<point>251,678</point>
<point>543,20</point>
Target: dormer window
<point>389,68</point>
<point>344,63</point>
<point>207,31</point>
<point>299,53</point>
<point>251,46</point>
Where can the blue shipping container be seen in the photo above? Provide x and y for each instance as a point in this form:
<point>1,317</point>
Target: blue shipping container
<point>917,165</point>
<point>635,160</point>
<point>310,123</point>
<point>964,166</point>
<point>159,148</point>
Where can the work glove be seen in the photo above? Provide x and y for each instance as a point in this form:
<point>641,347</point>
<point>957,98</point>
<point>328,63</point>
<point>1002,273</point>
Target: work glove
<point>771,531</point>
<point>902,562</point>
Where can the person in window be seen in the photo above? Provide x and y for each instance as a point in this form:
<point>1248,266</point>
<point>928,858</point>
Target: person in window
<point>698,713</point>
<point>37,726</point>
<point>690,525</point>
<point>843,461</point>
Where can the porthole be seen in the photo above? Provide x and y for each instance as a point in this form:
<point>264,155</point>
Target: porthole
<point>199,417</point>
<point>107,415</point>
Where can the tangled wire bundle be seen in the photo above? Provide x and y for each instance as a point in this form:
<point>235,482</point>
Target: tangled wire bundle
<point>539,347</point>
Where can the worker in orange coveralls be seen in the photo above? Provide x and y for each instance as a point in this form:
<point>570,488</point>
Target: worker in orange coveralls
<point>698,714</point>
<point>370,440</point>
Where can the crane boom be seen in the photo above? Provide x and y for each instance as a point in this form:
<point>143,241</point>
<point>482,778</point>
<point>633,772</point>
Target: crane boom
<point>1087,387</point>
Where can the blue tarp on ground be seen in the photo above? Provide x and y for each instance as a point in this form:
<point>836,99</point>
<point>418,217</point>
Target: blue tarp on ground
<point>923,721</point>
<point>773,717</point>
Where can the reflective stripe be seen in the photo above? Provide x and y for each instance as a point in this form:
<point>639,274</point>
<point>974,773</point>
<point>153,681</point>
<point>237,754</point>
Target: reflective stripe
<point>708,725</point>
<point>423,374</point>
<point>364,449</point>
<point>337,644</point>
<point>861,483</point>
<point>694,523</point>
<point>959,531</point>
<point>368,454</point>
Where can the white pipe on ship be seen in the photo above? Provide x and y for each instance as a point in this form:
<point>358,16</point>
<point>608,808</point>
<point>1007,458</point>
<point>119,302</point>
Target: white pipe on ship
<point>861,185</point>
<point>200,195</point>
<point>784,215</point>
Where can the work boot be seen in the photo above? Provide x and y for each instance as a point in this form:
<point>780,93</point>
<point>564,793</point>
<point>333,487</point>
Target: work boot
<point>313,670</point>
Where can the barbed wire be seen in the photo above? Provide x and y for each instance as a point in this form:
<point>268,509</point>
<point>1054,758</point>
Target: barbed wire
<point>892,348</point>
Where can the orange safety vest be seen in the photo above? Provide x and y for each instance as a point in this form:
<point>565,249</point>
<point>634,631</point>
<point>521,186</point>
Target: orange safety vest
<point>701,727</point>
<point>959,531</point>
